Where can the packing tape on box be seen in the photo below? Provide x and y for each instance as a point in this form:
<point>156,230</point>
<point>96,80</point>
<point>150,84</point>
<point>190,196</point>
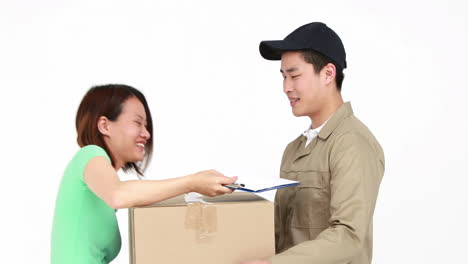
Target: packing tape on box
<point>201,216</point>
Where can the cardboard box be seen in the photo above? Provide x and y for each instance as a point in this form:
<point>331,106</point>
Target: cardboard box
<point>233,228</point>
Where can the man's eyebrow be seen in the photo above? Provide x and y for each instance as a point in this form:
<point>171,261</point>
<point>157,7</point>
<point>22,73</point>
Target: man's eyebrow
<point>289,70</point>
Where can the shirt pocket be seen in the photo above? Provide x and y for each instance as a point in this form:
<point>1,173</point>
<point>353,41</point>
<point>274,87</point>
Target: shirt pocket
<point>310,206</point>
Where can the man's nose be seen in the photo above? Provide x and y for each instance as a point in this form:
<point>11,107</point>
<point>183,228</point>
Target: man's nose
<point>287,86</point>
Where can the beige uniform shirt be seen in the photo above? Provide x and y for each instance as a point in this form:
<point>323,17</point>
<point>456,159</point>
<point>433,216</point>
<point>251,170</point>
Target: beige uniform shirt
<point>327,219</point>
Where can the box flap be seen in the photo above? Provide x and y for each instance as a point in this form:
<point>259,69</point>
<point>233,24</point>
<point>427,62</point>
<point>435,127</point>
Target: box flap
<point>226,198</point>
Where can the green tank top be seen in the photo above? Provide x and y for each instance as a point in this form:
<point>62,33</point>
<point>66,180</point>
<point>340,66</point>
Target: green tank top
<point>85,228</point>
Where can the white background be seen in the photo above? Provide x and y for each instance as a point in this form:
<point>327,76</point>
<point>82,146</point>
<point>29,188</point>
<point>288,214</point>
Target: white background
<point>218,105</point>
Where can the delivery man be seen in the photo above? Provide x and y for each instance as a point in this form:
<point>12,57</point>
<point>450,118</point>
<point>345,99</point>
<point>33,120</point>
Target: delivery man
<point>327,219</point>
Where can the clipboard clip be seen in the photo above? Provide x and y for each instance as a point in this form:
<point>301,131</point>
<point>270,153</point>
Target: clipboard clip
<point>235,186</point>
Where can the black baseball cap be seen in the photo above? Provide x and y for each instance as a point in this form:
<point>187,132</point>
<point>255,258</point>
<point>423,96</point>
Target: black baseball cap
<point>313,36</point>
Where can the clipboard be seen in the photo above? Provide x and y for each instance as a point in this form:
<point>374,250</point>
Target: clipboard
<point>283,183</point>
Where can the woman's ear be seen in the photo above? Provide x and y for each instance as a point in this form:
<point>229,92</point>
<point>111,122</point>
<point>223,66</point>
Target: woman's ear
<point>103,125</point>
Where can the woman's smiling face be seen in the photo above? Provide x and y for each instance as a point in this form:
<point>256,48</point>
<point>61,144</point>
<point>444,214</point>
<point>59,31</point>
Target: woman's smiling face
<point>126,137</point>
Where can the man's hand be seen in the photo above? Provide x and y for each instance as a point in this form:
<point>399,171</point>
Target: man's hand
<point>257,262</point>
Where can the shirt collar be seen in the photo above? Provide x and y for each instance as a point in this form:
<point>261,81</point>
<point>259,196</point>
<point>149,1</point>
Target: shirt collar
<point>344,111</point>
<point>325,130</point>
<point>311,133</point>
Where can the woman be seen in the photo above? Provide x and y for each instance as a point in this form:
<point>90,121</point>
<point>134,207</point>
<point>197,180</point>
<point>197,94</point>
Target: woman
<point>114,128</point>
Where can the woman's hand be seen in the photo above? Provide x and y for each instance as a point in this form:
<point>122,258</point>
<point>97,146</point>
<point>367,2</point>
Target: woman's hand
<point>102,180</point>
<point>211,183</point>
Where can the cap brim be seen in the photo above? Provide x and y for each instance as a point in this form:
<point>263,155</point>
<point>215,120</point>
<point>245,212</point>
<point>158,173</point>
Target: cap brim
<point>273,49</point>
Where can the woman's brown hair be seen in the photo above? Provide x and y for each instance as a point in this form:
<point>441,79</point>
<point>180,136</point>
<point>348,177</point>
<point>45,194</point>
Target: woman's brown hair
<point>107,100</point>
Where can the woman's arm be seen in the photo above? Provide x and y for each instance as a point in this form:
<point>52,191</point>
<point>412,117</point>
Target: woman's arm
<point>103,180</point>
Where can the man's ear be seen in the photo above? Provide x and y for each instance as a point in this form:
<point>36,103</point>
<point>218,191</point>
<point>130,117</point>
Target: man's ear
<point>103,125</point>
<point>329,72</point>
